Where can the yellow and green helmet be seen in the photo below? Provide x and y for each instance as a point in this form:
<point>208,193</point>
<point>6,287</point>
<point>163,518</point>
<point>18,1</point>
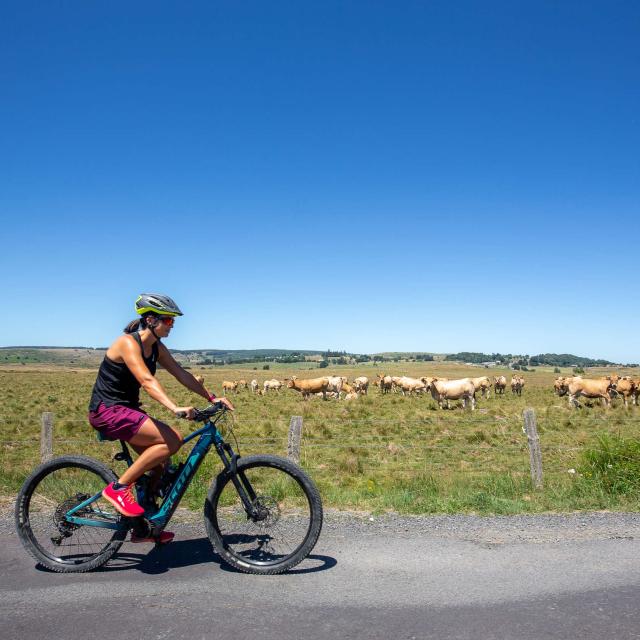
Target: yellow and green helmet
<point>157,303</point>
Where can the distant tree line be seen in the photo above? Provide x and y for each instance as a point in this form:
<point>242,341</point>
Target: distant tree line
<point>519,361</point>
<point>567,360</point>
<point>478,358</point>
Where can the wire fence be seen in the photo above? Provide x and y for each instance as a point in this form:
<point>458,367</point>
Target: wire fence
<point>469,450</point>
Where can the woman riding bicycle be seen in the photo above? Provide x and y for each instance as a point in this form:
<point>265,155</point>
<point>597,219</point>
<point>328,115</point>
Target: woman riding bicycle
<point>130,363</point>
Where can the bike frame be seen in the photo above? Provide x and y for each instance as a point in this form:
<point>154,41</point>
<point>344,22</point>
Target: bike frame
<point>209,435</point>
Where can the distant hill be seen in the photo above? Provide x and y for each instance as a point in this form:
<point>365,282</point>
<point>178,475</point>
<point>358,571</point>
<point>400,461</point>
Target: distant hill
<point>91,357</point>
<point>549,359</point>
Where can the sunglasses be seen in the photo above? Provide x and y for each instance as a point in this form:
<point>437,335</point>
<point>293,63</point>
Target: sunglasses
<point>168,321</point>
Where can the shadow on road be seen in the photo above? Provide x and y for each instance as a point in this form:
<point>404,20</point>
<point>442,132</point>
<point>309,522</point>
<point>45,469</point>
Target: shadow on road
<point>186,553</point>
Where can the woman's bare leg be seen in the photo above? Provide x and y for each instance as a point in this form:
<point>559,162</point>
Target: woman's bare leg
<point>155,442</point>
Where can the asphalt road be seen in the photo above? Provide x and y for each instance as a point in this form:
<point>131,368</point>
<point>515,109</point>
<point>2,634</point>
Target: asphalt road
<point>475,578</point>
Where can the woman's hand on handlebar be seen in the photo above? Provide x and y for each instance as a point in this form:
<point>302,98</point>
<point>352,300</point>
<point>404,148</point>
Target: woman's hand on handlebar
<point>226,403</point>
<point>185,412</point>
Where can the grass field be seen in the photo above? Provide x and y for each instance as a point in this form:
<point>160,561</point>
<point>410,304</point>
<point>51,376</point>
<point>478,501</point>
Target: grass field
<point>378,452</point>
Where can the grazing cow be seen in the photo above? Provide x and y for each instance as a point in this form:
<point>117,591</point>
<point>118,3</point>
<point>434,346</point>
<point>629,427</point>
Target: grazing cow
<point>229,386</point>
<point>482,384</point>
<point>626,387</point>
<point>361,385</point>
<point>589,388</point>
<point>453,390</point>
<point>254,385</point>
<point>559,386</point>
<point>311,386</point>
<point>242,384</point>
<point>517,382</point>
<point>273,384</point>
<point>199,379</point>
<point>499,384</point>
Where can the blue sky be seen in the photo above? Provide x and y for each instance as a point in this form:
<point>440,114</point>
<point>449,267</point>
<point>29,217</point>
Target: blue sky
<point>366,176</point>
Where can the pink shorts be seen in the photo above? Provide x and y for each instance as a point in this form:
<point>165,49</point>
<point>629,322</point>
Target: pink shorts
<point>117,422</point>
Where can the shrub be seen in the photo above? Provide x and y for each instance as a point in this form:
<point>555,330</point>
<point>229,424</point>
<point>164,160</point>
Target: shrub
<point>557,370</point>
<point>265,367</point>
<point>578,371</point>
<point>614,463</point>
<point>323,364</point>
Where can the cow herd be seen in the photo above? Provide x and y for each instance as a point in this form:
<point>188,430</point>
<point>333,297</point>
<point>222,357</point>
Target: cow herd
<point>442,390</point>
<point>606,389</point>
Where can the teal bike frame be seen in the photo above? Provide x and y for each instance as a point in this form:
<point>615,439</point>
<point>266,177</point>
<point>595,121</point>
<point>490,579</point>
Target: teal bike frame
<point>209,435</point>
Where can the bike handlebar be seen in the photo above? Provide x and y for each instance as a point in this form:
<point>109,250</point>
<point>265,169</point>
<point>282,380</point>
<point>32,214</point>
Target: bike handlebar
<point>200,415</point>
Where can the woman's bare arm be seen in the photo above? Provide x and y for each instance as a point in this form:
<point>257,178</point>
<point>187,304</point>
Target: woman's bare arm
<point>183,376</point>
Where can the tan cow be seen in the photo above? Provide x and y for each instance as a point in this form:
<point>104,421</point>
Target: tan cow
<point>335,384</point>
<point>312,385</point>
<point>589,388</point>
<point>386,383</point>
<point>242,384</point>
<point>626,387</point>
<point>482,384</point>
<point>499,384</point>
<point>347,388</point>
<point>271,385</point>
<point>462,389</point>
<point>559,386</point>
<point>229,386</point>
<point>517,382</point>
<point>361,385</point>
<point>199,379</point>
<point>411,385</point>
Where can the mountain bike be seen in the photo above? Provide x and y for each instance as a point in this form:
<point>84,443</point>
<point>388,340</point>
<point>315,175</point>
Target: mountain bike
<point>263,514</point>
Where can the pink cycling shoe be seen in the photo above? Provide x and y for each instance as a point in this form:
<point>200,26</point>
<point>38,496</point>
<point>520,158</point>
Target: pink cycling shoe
<point>123,500</point>
<point>165,537</point>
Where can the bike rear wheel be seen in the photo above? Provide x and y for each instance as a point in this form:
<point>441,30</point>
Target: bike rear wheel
<point>287,520</point>
<point>47,495</point>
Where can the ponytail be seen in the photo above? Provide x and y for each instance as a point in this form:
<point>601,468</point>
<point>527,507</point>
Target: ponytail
<point>134,325</point>
<point>139,323</point>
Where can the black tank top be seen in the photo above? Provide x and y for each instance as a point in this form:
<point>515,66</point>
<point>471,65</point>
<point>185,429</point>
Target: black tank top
<point>116,384</point>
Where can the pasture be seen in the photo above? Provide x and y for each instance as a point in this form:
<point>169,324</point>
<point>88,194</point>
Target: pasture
<point>376,453</point>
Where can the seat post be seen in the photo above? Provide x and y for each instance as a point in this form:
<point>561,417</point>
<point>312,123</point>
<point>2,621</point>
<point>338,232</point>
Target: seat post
<point>125,455</point>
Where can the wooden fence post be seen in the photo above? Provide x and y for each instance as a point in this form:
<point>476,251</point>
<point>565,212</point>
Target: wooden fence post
<point>46,437</point>
<point>295,435</point>
<point>535,454</point>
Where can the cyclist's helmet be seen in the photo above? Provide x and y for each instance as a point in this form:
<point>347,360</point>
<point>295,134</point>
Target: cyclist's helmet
<point>157,303</point>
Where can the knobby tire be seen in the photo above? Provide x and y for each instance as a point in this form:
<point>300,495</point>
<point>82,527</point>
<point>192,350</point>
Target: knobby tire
<point>292,516</point>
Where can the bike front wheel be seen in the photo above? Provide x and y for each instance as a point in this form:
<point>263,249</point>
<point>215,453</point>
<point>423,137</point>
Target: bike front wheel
<point>51,491</point>
<point>283,523</point>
